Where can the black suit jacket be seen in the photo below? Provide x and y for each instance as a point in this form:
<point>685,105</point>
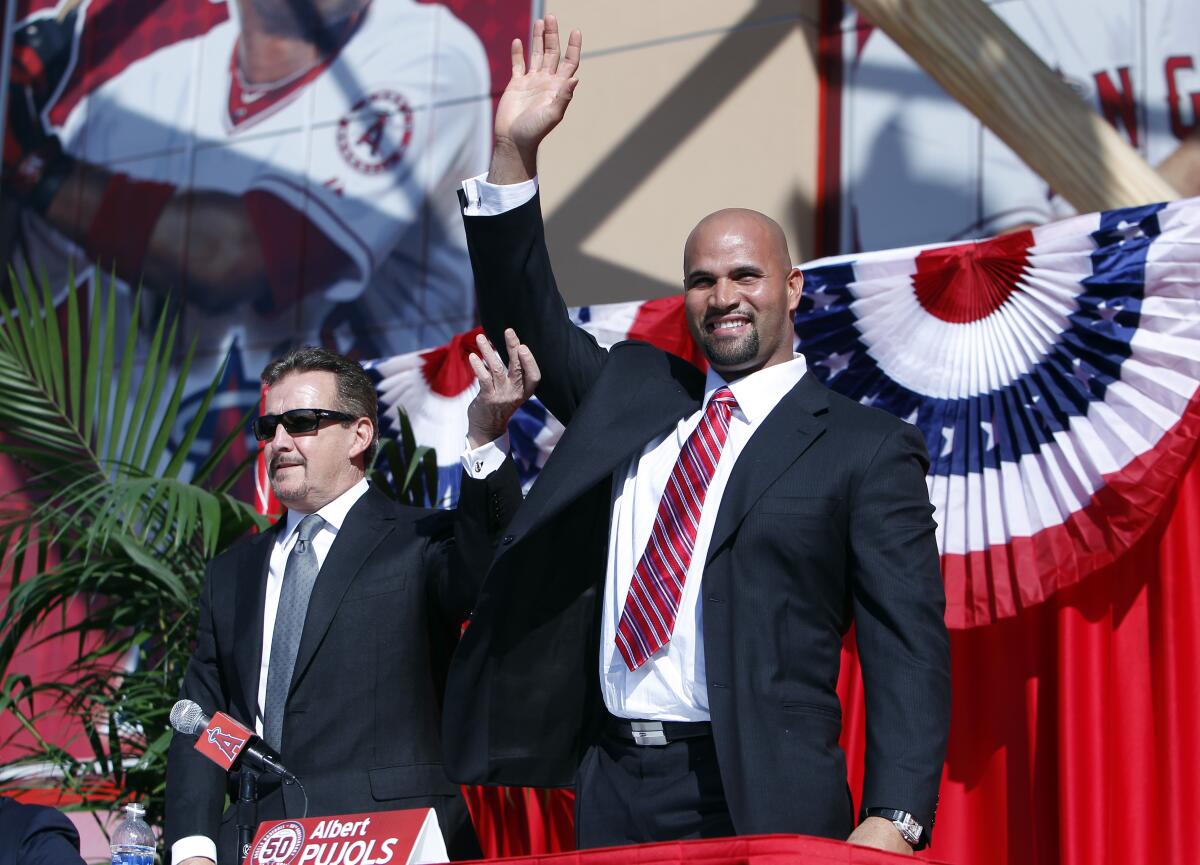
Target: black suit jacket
<point>36,835</point>
<point>825,520</point>
<point>361,727</point>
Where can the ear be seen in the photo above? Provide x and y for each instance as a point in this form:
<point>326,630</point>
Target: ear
<point>795,288</point>
<point>364,432</point>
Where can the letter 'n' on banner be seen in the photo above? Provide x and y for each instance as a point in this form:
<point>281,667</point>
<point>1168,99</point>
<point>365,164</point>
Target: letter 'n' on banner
<point>410,837</point>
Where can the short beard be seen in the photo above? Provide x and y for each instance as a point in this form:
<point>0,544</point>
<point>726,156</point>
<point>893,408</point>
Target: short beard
<point>289,494</point>
<point>725,356</point>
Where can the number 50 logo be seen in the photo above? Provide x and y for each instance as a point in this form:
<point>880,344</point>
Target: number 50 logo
<point>280,846</point>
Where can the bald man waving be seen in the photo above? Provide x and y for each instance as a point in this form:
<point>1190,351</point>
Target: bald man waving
<point>662,627</point>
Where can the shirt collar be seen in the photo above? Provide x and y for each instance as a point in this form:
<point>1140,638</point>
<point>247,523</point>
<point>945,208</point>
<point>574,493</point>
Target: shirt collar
<point>761,391</point>
<point>333,513</point>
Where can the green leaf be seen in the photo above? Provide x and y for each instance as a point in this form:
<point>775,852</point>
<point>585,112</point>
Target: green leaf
<point>117,420</point>
<point>107,547</point>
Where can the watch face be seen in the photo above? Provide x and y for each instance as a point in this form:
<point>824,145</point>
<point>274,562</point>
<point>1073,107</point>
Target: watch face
<point>909,828</point>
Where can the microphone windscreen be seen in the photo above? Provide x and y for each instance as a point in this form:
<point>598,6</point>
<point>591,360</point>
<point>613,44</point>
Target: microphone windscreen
<point>188,718</point>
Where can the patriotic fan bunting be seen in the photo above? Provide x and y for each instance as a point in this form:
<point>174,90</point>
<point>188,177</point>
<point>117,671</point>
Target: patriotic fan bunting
<point>1053,373</point>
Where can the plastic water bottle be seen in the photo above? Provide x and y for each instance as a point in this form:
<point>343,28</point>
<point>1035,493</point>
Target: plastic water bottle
<point>132,843</point>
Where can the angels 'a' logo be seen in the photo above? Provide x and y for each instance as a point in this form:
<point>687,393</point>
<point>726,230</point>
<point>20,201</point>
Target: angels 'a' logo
<point>374,134</point>
<point>229,743</point>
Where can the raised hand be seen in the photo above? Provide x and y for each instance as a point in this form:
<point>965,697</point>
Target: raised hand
<point>502,390</point>
<point>534,101</point>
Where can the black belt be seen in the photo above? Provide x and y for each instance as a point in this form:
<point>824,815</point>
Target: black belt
<point>657,732</point>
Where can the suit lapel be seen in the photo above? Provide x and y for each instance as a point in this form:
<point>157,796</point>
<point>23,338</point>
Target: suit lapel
<point>249,601</point>
<point>624,426</point>
<point>364,528</point>
<point>784,435</point>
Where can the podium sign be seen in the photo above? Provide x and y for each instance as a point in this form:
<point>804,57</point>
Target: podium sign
<point>380,838</point>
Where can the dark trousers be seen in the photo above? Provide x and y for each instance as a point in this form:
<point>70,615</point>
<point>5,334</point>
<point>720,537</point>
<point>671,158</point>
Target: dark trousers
<point>632,794</point>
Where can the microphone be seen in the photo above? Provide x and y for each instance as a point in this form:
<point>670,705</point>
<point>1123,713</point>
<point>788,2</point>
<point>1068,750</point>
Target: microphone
<point>226,742</point>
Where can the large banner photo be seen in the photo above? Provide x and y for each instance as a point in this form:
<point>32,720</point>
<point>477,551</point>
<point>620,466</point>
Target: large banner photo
<point>277,173</point>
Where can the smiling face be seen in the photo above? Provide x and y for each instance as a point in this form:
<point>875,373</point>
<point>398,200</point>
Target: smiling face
<point>309,470</point>
<point>740,291</point>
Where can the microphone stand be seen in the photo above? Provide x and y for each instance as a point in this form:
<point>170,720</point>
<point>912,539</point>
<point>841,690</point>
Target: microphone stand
<point>247,811</point>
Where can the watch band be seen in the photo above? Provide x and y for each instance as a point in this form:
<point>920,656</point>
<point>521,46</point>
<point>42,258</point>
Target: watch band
<point>912,831</point>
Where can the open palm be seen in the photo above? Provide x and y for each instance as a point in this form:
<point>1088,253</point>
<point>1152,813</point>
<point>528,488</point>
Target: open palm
<point>537,97</point>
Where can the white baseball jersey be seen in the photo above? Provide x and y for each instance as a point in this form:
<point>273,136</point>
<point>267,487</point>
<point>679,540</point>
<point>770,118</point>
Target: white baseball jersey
<point>368,146</point>
<point>917,167</point>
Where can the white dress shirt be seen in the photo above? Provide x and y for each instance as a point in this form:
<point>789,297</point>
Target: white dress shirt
<point>334,515</point>
<point>672,684</point>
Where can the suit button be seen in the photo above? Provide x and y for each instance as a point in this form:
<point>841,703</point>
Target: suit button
<point>508,539</point>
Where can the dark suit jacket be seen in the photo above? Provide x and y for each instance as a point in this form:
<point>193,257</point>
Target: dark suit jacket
<point>825,520</point>
<point>36,835</point>
<point>361,728</point>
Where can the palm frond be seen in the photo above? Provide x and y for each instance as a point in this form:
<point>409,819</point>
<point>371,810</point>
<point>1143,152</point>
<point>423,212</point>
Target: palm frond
<point>107,535</point>
<point>404,470</point>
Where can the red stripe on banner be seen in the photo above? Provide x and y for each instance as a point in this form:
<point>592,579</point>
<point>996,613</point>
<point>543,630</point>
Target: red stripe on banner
<point>970,281</point>
<point>663,324</point>
<point>446,369</point>
<point>986,585</point>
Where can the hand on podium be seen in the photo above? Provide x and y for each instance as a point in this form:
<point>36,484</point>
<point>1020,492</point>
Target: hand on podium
<point>880,834</point>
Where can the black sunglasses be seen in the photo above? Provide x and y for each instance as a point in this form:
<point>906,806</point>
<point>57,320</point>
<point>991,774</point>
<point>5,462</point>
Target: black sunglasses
<point>297,420</point>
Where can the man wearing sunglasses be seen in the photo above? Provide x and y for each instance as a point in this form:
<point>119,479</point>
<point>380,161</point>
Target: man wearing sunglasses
<point>330,633</point>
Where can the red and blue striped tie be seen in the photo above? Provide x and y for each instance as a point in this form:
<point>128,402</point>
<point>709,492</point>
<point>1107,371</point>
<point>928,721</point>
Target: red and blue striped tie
<point>653,600</point>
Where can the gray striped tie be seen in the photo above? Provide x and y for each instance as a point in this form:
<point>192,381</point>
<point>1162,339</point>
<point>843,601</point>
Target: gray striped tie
<point>298,577</point>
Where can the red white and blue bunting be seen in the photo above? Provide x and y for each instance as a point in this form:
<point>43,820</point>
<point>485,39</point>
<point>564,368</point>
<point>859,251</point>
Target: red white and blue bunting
<point>1053,372</point>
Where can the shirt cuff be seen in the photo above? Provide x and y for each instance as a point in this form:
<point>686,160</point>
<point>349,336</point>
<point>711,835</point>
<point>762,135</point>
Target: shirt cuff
<point>489,199</point>
<point>485,459</point>
<point>193,845</point>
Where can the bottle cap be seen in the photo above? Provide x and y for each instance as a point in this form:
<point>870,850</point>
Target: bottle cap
<point>135,809</point>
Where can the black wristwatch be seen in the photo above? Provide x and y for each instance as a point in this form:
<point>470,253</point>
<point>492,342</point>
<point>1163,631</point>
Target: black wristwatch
<point>909,829</point>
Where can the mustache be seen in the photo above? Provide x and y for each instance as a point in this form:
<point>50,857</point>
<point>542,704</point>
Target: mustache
<point>277,462</point>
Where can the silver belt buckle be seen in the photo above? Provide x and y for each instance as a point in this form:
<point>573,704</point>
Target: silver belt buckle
<point>648,733</point>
